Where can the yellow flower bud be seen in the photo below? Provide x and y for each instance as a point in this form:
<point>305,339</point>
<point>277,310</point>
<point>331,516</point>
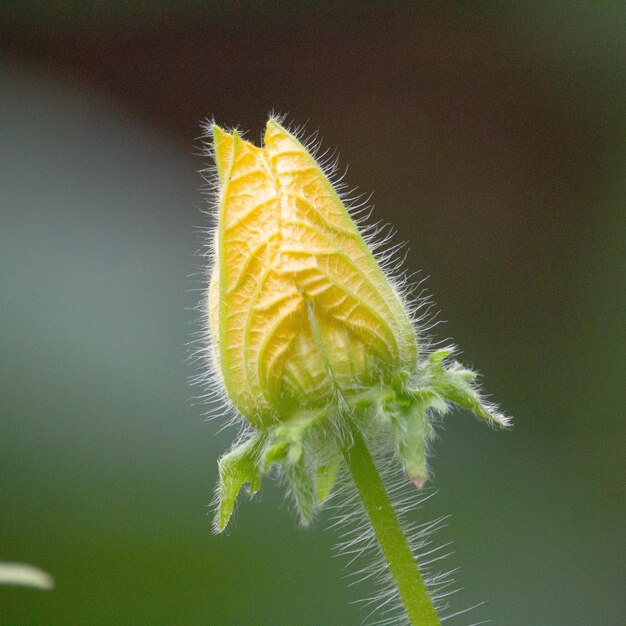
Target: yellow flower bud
<point>314,346</point>
<point>299,309</point>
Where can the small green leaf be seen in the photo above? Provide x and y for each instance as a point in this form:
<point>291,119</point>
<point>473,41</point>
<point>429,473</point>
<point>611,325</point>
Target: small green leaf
<point>236,468</point>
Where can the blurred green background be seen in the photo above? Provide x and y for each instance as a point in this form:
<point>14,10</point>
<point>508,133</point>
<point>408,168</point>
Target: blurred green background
<point>493,135</point>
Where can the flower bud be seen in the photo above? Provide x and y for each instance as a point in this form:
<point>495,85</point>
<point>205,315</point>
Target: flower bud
<point>311,340</point>
<point>300,311</point>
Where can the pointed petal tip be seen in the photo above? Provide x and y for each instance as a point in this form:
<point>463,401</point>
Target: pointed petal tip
<point>275,119</point>
<point>274,126</point>
<point>223,143</point>
<point>218,131</point>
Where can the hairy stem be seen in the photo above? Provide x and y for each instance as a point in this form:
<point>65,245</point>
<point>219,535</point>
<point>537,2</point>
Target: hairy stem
<point>392,541</point>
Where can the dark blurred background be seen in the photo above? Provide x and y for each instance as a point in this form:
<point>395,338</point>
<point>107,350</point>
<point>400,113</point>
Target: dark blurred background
<point>493,136</point>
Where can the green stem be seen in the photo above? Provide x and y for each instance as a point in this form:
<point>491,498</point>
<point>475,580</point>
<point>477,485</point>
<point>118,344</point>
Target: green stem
<point>393,543</point>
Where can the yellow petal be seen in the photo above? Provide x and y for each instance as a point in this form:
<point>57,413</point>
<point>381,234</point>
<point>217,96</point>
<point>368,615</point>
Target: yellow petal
<point>300,307</point>
<point>222,150</point>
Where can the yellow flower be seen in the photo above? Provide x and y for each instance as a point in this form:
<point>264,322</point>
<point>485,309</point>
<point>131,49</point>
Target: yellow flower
<point>299,309</point>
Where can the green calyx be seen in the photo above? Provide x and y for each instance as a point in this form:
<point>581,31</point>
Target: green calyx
<point>309,446</point>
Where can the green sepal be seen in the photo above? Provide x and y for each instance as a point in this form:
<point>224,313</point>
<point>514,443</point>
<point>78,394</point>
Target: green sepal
<point>309,456</point>
<point>407,415</point>
<point>289,440</point>
<point>438,382</point>
<point>455,383</point>
<point>302,489</point>
<point>236,468</point>
<point>411,429</point>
